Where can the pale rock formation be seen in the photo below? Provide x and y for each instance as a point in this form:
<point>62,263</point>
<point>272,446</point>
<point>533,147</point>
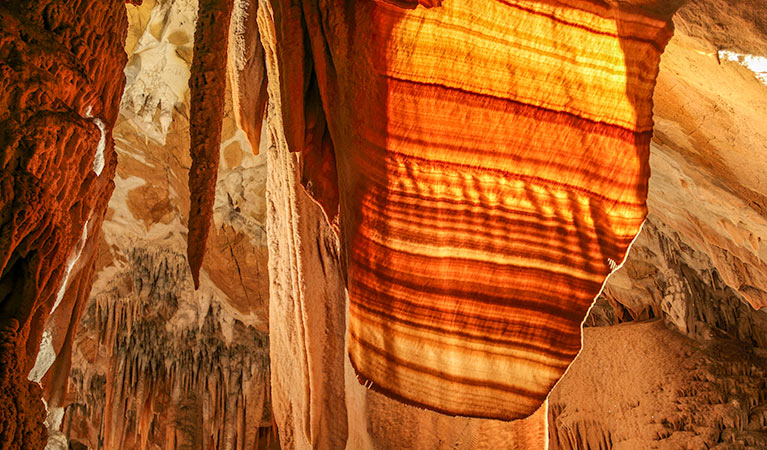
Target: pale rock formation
<point>663,391</point>
<point>157,73</point>
<point>160,365</point>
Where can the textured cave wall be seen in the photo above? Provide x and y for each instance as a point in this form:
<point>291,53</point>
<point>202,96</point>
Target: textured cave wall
<point>156,363</point>
<point>61,64</point>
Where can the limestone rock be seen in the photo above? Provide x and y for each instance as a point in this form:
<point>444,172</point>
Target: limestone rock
<point>60,86</point>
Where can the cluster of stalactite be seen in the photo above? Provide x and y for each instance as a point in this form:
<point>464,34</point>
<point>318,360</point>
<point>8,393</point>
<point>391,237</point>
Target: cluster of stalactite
<point>61,77</point>
<point>670,280</point>
<point>160,374</point>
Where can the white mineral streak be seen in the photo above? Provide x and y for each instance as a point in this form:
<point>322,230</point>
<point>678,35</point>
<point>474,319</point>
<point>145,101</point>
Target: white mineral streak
<point>98,160</point>
<point>157,73</point>
<point>56,439</point>
<point>70,264</point>
<point>45,357</point>
<point>756,64</point>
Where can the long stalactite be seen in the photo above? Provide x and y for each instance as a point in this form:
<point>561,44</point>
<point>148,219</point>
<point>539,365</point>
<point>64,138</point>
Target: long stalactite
<point>207,84</point>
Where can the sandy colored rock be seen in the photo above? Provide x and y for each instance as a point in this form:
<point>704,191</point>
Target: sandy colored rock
<point>665,391</point>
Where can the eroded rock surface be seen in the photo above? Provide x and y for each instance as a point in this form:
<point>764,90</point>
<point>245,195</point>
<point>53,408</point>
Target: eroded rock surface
<point>664,391</point>
<point>60,82</point>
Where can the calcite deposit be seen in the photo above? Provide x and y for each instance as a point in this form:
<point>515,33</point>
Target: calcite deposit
<point>246,70</point>
<point>460,177</point>
<point>156,364</point>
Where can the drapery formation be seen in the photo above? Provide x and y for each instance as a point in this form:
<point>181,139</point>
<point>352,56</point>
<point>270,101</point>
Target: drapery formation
<point>514,179</point>
<point>492,167</point>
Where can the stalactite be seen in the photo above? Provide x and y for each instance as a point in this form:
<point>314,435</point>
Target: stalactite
<point>173,373</point>
<point>207,84</point>
<point>247,72</point>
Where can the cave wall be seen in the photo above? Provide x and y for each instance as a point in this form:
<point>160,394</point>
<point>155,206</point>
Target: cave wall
<point>683,315</point>
<point>494,164</point>
<point>60,88</point>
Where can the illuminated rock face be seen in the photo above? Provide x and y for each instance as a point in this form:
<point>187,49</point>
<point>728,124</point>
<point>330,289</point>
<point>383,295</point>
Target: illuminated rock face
<point>493,164</point>
<point>60,88</point>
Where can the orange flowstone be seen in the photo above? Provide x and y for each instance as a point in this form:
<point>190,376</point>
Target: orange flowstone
<point>60,85</point>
